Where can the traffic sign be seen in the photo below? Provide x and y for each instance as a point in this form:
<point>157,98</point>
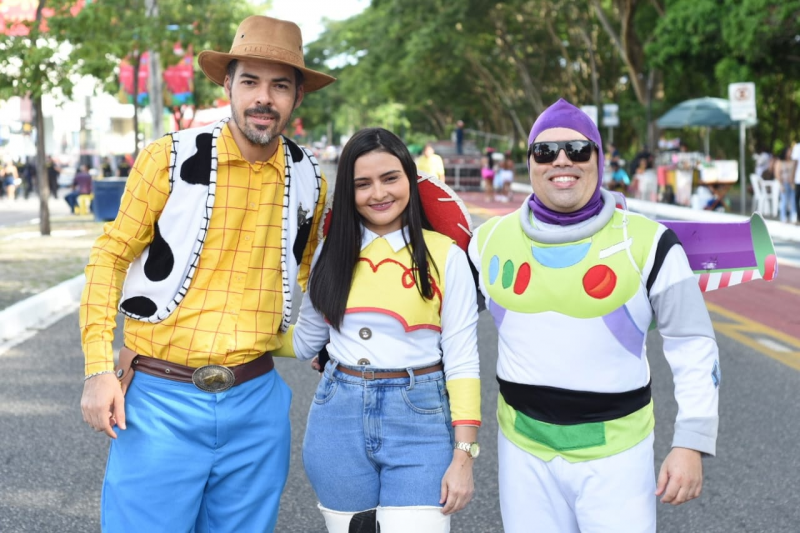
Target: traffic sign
<point>742,97</point>
<point>610,115</point>
<point>590,110</point>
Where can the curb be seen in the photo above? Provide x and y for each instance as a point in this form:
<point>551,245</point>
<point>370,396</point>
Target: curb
<point>40,309</point>
<point>777,230</point>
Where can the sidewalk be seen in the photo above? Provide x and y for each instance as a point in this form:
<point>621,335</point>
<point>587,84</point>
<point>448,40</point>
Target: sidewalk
<point>40,277</point>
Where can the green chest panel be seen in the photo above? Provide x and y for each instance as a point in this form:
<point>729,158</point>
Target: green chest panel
<point>583,279</point>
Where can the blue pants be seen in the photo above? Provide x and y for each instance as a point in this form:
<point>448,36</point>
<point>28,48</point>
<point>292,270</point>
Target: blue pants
<point>377,442</point>
<point>193,461</point>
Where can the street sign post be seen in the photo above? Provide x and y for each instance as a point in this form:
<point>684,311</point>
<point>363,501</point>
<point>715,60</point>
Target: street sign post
<point>610,119</point>
<point>742,97</point>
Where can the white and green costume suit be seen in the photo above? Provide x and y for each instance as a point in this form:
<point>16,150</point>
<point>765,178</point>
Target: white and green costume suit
<point>572,305</point>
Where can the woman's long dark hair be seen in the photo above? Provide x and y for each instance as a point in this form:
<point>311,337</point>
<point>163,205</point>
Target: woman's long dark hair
<point>332,275</point>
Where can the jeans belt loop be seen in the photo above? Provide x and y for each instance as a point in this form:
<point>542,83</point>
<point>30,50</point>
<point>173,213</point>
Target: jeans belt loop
<point>412,379</point>
<point>364,375</point>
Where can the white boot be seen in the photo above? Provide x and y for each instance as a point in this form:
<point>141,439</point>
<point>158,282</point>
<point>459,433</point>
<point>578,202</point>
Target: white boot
<point>341,522</point>
<point>427,519</point>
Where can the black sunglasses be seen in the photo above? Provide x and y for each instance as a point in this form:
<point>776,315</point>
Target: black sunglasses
<point>547,151</point>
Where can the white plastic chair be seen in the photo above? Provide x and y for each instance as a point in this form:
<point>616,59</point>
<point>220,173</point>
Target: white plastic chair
<point>760,199</point>
<point>772,190</point>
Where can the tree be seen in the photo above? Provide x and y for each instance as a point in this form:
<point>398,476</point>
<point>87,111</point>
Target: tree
<point>106,32</point>
<point>707,44</point>
<point>34,64</point>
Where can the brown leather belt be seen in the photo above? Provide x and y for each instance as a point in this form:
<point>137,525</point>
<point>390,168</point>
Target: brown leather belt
<point>373,374</point>
<point>209,378</point>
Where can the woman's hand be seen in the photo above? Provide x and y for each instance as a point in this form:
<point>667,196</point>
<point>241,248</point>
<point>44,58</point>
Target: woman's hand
<point>457,484</point>
<point>315,364</point>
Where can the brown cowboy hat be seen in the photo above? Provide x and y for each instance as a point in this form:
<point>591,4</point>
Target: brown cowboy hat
<point>269,39</point>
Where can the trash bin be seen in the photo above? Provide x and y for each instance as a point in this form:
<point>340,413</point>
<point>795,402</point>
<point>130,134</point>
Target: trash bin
<point>107,194</point>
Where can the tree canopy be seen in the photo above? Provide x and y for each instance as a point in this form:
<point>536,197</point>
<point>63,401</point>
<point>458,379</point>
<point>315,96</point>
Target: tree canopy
<point>496,65</point>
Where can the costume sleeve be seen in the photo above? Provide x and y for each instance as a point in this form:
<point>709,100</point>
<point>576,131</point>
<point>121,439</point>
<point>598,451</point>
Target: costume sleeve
<point>313,237</point>
<point>460,340</point>
<point>310,334</point>
<point>689,345</point>
<point>146,193</point>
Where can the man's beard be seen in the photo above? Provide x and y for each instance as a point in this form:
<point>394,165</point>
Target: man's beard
<point>259,135</point>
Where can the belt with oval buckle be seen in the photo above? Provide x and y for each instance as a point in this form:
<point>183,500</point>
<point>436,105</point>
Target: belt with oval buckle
<point>213,378</point>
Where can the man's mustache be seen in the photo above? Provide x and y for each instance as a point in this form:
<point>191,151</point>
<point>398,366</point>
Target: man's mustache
<point>263,111</point>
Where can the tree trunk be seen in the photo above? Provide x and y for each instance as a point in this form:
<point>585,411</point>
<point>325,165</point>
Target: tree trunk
<point>155,87</point>
<point>41,170</point>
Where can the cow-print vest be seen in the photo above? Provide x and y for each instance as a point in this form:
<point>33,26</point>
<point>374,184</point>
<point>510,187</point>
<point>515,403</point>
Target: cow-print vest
<point>158,279</point>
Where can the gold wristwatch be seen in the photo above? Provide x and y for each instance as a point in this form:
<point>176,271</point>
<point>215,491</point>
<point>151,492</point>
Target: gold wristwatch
<point>472,448</point>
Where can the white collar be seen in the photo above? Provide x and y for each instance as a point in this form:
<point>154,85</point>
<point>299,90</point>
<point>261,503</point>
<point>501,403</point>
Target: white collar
<point>395,238</point>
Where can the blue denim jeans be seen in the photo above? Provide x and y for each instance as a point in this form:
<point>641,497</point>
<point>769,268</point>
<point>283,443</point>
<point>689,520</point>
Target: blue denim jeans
<point>377,442</point>
<point>787,203</point>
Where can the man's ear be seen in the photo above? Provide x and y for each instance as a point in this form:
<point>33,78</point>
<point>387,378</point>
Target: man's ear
<point>227,86</point>
<point>301,92</point>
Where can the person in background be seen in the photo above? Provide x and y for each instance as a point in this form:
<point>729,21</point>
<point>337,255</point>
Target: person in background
<point>487,176</point>
<point>573,284</point>
<point>124,166</point>
<point>504,177</point>
<point>785,168</point>
<point>613,153</point>
<point>620,181</point>
<point>81,184</point>
<point>9,178</point>
<point>106,168</point>
<point>53,171</point>
<point>402,337</point>
<point>764,164</point>
<point>460,137</point>
<point>216,226</point>
<point>795,156</point>
<point>431,163</point>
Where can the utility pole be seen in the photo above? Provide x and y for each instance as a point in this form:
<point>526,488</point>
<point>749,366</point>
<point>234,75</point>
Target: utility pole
<point>155,86</point>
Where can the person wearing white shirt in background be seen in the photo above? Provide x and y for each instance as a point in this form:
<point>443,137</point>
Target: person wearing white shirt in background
<point>385,450</point>
<point>796,158</point>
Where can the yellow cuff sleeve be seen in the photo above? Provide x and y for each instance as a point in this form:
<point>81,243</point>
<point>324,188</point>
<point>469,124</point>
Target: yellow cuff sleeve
<point>465,401</point>
<point>99,357</point>
<point>287,348</point>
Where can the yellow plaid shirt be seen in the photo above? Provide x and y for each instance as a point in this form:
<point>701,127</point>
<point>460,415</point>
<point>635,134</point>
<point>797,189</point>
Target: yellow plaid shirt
<point>233,309</point>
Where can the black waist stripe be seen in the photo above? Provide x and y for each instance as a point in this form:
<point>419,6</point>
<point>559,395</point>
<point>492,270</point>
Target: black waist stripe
<point>569,407</point>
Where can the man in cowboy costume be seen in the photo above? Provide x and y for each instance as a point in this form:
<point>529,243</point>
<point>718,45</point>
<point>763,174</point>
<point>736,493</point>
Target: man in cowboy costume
<point>215,227</point>
<point>573,285</point>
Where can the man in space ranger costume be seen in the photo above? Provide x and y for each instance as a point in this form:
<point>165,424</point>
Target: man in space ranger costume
<point>573,284</point>
<point>216,226</point>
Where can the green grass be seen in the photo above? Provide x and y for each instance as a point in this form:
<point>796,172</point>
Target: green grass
<point>31,263</point>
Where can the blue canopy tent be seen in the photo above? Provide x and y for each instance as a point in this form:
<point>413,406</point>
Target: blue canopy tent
<point>700,112</point>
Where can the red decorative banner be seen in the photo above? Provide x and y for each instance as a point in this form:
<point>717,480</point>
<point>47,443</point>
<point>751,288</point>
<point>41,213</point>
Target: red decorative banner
<point>14,12</point>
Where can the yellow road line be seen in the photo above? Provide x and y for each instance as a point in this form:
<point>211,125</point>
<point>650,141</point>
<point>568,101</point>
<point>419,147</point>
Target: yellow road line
<point>742,330</point>
<point>789,288</point>
<point>480,211</point>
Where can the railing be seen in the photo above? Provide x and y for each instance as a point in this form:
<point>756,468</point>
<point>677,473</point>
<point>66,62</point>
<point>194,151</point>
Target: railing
<point>462,177</point>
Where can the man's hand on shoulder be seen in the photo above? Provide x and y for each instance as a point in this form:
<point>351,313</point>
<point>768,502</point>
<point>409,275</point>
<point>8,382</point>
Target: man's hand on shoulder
<point>681,476</point>
<point>103,404</point>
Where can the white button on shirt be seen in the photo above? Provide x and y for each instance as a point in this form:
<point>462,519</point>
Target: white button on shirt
<point>389,345</point>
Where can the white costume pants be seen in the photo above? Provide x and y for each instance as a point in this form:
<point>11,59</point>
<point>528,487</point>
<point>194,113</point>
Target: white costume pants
<point>611,495</point>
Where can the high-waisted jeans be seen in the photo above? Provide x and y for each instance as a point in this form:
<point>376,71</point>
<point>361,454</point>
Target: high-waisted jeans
<point>376,442</point>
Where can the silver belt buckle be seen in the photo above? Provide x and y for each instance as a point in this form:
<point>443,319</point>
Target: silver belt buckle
<point>213,378</point>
